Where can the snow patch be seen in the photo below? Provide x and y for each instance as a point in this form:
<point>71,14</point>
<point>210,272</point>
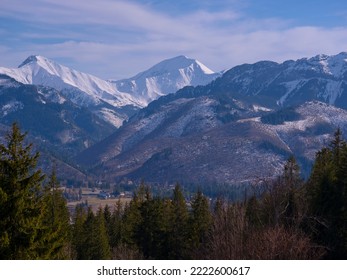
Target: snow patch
<point>109,116</point>
<point>11,107</point>
<point>290,87</point>
<point>258,108</point>
<point>332,91</point>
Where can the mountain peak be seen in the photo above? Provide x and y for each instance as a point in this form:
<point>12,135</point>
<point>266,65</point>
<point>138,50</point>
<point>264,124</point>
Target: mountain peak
<point>166,77</point>
<point>30,59</point>
<point>179,62</point>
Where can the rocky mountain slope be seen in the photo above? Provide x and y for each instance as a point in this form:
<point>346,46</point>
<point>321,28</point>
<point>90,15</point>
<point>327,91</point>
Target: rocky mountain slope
<point>240,127</point>
<point>67,111</point>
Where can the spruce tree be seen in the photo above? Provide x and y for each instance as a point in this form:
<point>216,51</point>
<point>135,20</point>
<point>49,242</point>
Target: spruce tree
<point>291,174</point>
<point>95,240</point>
<point>57,233</point>
<point>78,233</point>
<point>178,243</point>
<point>292,184</point>
<point>326,190</point>
<point>21,199</point>
<point>116,225</point>
<point>200,220</point>
<point>155,228</point>
<point>131,221</point>
<point>108,220</point>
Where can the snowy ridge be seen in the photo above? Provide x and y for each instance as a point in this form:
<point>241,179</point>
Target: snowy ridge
<point>84,89</point>
<point>327,72</point>
<point>39,70</point>
<point>167,77</point>
<point>334,65</point>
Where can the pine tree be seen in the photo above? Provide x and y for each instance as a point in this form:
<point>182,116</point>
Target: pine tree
<point>279,201</point>
<point>131,221</point>
<point>200,220</point>
<point>57,233</point>
<point>292,184</point>
<point>116,225</point>
<point>108,221</point>
<point>78,233</point>
<point>326,190</point>
<point>95,240</point>
<point>178,244</point>
<point>291,174</point>
<point>21,211</point>
<point>151,234</point>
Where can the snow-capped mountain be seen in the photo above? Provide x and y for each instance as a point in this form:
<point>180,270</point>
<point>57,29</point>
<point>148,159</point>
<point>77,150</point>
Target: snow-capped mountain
<point>321,78</point>
<point>167,77</point>
<point>112,101</point>
<point>84,90</point>
<point>88,90</point>
<point>239,127</point>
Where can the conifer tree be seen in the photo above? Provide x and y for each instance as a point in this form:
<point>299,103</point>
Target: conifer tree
<point>200,220</point>
<point>292,183</point>
<point>78,233</point>
<point>152,231</point>
<point>57,234</point>
<point>326,190</point>
<point>108,221</point>
<point>179,220</point>
<point>131,221</point>
<point>21,211</point>
<point>96,245</point>
<point>291,174</point>
<point>116,226</point>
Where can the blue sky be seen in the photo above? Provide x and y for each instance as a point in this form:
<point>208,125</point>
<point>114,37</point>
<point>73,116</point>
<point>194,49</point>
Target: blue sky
<point>118,39</point>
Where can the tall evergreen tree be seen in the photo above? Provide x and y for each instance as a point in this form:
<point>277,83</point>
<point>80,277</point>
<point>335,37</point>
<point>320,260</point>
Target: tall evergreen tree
<point>326,190</point>
<point>291,174</point>
<point>96,244</point>
<point>78,233</point>
<point>200,220</point>
<point>21,211</point>
<point>57,233</point>
<point>292,184</point>
<point>116,226</point>
<point>152,231</point>
<point>131,221</point>
<point>179,230</point>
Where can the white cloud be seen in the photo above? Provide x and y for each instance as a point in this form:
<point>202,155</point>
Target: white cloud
<point>114,39</point>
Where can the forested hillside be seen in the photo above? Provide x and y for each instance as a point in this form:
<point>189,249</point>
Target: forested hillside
<point>285,218</point>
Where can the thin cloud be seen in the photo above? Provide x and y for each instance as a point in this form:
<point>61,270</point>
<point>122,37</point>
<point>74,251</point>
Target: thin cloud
<point>116,39</point>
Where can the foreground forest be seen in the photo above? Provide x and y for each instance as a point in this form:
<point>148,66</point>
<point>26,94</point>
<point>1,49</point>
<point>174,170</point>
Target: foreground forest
<point>285,218</point>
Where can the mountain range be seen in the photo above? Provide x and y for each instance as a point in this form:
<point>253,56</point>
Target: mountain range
<point>113,101</point>
<point>67,111</point>
<point>180,121</point>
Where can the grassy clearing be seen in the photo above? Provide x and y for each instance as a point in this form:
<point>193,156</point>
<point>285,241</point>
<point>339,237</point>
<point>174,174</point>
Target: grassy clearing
<point>95,203</point>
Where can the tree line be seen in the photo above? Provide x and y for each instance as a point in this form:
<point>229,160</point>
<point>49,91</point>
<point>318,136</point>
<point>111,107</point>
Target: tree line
<point>285,218</point>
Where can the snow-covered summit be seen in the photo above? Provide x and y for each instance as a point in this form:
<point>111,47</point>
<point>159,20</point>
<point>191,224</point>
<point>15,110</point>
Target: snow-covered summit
<point>163,78</point>
<point>113,101</point>
<point>82,88</point>
<point>167,77</point>
<point>172,64</point>
<point>334,65</point>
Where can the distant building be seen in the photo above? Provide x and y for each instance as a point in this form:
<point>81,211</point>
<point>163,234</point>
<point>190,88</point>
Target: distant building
<point>104,195</point>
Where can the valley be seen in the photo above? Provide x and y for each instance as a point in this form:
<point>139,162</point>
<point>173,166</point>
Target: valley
<point>178,121</point>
